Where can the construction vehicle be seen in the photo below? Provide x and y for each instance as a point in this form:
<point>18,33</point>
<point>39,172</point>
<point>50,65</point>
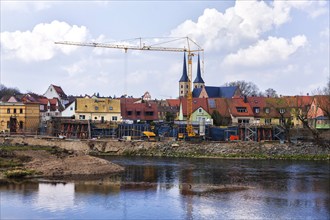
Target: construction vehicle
<point>149,136</point>
<point>155,47</point>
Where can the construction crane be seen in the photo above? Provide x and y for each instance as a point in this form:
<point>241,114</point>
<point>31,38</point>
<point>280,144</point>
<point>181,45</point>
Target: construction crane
<point>155,47</point>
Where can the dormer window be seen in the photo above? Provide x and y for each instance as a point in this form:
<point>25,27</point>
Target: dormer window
<point>256,110</point>
<point>241,109</point>
<point>267,110</point>
<point>282,110</point>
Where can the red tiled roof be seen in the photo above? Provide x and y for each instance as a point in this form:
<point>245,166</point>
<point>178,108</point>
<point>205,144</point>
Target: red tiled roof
<point>196,103</point>
<point>235,103</point>
<point>173,102</point>
<point>221,105</point>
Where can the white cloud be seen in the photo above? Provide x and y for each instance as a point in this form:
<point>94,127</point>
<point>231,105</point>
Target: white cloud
<point>243,23</point>
<point>38,44</point>
<point>266,52</point>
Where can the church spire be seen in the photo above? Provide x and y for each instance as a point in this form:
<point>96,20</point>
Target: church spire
<point>184,81</point>
<point>199,82</point>
<point>184,77</point>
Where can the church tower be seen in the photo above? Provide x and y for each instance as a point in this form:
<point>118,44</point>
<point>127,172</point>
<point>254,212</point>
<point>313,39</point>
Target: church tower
<point>199,82</point>
<point>184,83</point>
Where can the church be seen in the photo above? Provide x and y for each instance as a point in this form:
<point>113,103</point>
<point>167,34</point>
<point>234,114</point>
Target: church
<point>199,89</point>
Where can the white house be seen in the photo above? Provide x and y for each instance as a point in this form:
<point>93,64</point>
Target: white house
<point>57,92</point>
<point>69,111</point>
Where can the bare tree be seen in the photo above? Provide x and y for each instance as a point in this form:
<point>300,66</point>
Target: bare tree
<point>271,93</point>
<point>246,88</point>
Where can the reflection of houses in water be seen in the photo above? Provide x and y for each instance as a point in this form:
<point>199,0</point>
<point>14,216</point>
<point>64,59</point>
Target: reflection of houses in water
<point>55,197</point>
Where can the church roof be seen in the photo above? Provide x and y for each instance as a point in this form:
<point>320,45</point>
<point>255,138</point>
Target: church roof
<point>199,78</point>
<point>184,77</point>
<point>216,92</point>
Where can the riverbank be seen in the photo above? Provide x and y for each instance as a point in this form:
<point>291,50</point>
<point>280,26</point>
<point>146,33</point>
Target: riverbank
<point>58,158</point>
<point>172,148</point>
<point>52,163</point>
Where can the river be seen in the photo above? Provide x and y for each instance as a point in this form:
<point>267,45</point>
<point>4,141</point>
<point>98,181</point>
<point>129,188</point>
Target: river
<point>180,188</point>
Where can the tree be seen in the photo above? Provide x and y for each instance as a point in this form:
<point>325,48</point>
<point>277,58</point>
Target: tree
<point>323,99</point>
<point>271,93</point>
<point>6,91</point>
<point>246,88</point>
<point>217,118</point>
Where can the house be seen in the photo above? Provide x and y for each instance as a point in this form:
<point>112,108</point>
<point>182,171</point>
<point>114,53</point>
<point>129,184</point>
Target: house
<point>69,110</point>
<point>135,110</point>
<point>98,109</point>
<point>318,114</point>
<point>166,111</point>
<point>18,117</point>
<point>240,111</point>
<point>199,110</point>
<point>57,92</point>
<point>299,107</point>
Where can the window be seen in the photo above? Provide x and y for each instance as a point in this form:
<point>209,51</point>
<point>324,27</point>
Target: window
<point>95,118</point>
<point>181,86</point>
<point>110,108</point>
<point>282,110</point>
<point>256,110</point>
<point>200,110</point>
<point>8,110</point>
<point>81,116</point>
<point>241,109</point>
<point>149,113</point>
<point>138,113</point>
<point>8,124</point>
<point>71,108</point>
<point>114,118</point>
<point>21,111</point>
<point>14,110</point>
<point>187,86</point>
<point>243,121</point>
<point>181,91</point>
<point>96,108</point>
<point>267,110</point>
<point>129,112</point>
<point>282,121</point>
<point>268,121</point>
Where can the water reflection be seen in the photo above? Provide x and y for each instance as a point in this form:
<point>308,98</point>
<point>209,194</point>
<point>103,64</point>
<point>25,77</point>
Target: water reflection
<point>55,197</point>
<point>160,188</point>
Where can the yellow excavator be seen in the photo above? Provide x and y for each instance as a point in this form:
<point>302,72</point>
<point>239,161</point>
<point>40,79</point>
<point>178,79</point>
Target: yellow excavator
<point>149,136</point>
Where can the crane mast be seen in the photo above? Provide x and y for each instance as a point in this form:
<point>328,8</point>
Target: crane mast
<point>143,47</point>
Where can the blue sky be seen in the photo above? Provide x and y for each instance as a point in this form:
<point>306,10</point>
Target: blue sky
<point>282,45</point>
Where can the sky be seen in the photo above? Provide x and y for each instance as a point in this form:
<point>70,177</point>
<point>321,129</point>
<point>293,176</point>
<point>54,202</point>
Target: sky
<point>283,45</point>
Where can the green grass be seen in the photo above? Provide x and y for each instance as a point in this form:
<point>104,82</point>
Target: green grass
<point>18,173</point>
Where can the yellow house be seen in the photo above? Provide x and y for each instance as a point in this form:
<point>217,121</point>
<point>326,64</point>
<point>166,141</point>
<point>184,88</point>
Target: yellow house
<point>100,109</point>
<point>19,117</point>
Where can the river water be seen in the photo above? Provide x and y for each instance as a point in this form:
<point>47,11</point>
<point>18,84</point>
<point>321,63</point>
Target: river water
<point>165,188</point>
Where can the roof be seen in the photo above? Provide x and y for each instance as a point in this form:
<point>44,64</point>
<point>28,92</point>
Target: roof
<point>197,102</point>
<point>235,103</point>
<point>217,92</point>
<point>219,104</point>
<point>199,78</point>
<point>59,91</point>
<point>184,77</point>
<point>173,102</point>
<point>196,92</point>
